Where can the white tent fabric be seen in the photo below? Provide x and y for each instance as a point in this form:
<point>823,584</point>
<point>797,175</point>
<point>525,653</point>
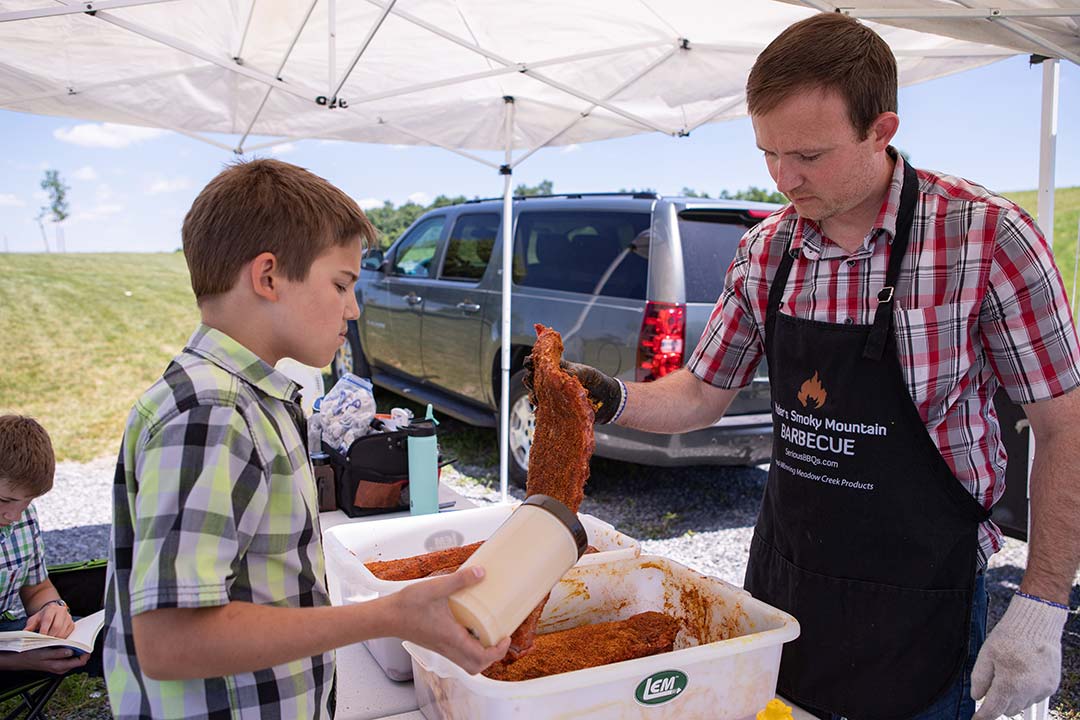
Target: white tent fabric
<point>430,72</point>
<point>440,72</point>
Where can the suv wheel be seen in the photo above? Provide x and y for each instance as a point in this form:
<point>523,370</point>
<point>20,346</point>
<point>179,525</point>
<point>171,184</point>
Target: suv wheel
<point>350,357</point>
<point>522,424</point>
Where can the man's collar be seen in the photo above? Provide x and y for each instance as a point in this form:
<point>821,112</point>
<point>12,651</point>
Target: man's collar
<point>231,356</point>
<point>809,239</point>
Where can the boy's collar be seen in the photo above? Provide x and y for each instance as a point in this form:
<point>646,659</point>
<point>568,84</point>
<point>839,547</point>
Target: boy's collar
<point>233,357</point>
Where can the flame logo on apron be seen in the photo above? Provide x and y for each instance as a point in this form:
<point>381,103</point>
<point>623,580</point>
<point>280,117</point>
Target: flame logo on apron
<point>813,392</point>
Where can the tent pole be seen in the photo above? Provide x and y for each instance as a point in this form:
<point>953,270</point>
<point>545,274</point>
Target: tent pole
<point>1047,157</point>
<point>73,9</point>
<point>504,335</point>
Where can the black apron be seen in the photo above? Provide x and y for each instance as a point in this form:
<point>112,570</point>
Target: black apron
<point>865,535</point>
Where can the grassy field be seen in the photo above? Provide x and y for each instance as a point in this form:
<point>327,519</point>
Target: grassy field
<point>83,335</point>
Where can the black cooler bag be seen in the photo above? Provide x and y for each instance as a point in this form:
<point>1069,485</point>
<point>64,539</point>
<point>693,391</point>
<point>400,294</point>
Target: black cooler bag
<point>374,476</point>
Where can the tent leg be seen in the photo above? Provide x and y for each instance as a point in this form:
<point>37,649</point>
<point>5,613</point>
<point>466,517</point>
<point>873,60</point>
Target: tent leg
<point>1047,161</point>
<point>504,334</point>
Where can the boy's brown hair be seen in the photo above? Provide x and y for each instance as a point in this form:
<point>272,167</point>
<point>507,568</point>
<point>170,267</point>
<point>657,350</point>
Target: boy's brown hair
<point>266,206</point>
<point>830,51</point>
<point>27,463</point>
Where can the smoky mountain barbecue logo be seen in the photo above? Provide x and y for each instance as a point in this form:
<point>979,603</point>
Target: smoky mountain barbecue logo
<point>812,393</point>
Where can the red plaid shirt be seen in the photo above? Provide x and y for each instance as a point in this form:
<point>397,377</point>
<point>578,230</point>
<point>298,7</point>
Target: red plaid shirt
<point>979,302</point>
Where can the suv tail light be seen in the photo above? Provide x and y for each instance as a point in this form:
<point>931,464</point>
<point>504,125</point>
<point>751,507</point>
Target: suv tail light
<point>661,341</point>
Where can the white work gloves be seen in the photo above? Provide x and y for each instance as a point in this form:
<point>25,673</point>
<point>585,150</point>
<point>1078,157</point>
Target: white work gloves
<point>1020,662</point>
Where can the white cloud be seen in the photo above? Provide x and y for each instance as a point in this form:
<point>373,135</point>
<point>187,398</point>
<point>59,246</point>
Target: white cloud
<point>401,147</point>
<point>570,149</point>
<point>41,195</point>
<point>283,148</point>
<point>366,203</point>
<point>99,212</point>
<point>420,198</point>
<point>165,185</point>
<point>103,192</point>
<point>86,172</point>
<point>106,135</point>
<point>10,200</point>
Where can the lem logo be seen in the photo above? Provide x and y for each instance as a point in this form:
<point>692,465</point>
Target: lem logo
<point>813,392</point>
<point>661,687</point>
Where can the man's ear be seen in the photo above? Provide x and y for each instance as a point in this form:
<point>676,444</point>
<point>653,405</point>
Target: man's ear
<point>883,129</point>
<point>264,274</point>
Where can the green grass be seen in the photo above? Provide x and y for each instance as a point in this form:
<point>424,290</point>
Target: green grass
<point>1066,221</point>
<point>78,697</point>
<point>76,350</point>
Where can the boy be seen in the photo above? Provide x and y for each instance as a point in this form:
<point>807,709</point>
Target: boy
<point>26,473</point>
<point>216,604</point>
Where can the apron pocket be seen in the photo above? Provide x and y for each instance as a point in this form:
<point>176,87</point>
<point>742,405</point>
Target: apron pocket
<point>866,650</point>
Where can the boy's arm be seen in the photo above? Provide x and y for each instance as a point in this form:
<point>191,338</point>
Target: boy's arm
<point>45,615</point>
<point>54,660</point>
<point>189,643</point>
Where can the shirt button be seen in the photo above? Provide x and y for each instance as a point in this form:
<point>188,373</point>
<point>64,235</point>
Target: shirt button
<point>851,263</point>
<point>848,321</point>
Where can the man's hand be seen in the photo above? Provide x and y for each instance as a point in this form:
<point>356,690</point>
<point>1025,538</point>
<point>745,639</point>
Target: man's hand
<point>51,660</point>
<point>602,389</point>
<point>1020,662</point>
<point>425,617</point>
<point>52,620</point>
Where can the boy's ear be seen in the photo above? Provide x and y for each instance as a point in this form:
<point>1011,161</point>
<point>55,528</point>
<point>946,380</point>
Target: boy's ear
<point>264,275</point>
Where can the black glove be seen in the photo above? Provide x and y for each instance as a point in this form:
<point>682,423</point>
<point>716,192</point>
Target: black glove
<point>602,389</point>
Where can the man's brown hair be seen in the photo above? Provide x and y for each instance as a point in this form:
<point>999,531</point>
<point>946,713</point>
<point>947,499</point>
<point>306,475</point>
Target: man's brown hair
<point>830,51</point>
<point>266,206</point>
<point>26,455</point>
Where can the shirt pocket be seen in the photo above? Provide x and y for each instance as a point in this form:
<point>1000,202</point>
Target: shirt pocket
<point>937,348</point>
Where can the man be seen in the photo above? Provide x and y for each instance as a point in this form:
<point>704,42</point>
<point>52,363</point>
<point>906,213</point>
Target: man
<point>890,303</point>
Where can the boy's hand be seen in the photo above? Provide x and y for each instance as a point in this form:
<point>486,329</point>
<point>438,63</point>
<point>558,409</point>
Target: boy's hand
<point>423,614</point>
<point>51,660</point>
<point>52,620</point>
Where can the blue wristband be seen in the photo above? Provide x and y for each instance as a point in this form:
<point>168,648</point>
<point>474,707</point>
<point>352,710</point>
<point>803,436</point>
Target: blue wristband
<point>1051,603</point>
<point>622,401</point>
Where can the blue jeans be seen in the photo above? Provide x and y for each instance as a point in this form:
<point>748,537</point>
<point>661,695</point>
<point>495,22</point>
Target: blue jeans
<point>12,625</point>
<point>956,703</point>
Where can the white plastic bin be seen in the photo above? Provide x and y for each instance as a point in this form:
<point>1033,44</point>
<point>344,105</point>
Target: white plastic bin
<point>724,667</point>
<point>349,546</point>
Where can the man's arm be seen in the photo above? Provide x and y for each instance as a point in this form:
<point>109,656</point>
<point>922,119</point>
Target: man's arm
<point>675,403</point>
<point>1054,546</point>
<point>188,643</point>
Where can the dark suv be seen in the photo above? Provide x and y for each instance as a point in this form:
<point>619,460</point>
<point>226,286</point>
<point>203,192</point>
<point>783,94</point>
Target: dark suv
<point>628,280</point>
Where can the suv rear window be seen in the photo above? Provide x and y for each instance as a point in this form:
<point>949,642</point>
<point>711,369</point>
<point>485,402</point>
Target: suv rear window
<point>591,252</point>
<point>709,241</point>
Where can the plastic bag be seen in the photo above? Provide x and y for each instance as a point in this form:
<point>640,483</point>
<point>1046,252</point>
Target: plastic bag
<point>347,411</point>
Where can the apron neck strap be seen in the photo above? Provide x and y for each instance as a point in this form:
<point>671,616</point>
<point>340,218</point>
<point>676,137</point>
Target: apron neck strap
<point>879,334</point>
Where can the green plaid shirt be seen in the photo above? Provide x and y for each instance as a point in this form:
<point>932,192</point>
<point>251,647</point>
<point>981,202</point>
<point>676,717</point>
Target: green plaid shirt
<point>22,562</point>
<point>214,501</point>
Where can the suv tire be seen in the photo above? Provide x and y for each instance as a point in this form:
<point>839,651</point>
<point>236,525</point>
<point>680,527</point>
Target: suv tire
<point>349,357</point>
<point>522,424</point>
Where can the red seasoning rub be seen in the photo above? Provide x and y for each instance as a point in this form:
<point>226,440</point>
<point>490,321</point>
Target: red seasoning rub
<point>563,439</point>
<point>420,566</point>
<point>644,634</point>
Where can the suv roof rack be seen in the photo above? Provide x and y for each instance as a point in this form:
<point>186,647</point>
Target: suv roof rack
<point>649,195</point>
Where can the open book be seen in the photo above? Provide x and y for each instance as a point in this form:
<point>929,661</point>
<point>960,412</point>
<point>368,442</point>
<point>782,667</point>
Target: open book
<point>82,637</point>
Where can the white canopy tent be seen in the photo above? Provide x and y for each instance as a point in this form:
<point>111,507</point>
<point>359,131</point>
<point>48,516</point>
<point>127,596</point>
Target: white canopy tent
<point>466,75</point>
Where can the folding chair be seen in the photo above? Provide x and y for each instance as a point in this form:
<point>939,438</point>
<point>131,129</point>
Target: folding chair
<point>82,586</point>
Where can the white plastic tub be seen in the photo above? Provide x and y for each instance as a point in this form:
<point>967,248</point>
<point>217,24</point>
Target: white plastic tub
<point>349,546</point>
<point>724,666</point>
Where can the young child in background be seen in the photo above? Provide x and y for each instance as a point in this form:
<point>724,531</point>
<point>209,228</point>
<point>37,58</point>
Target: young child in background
<point>28,600</point>
<point>216,602</point>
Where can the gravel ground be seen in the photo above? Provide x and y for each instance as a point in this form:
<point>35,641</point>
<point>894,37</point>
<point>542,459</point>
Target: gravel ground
<point>701,517</point>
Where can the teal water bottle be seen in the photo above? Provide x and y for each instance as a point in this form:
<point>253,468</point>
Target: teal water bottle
<point>423,465</point>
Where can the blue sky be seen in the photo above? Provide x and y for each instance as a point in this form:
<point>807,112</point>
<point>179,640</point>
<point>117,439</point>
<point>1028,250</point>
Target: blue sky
<point>130,187</point>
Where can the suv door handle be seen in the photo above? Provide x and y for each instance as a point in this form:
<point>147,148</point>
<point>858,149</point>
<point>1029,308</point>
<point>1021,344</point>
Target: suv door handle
<point>412,298</point>
<point>468,307</point>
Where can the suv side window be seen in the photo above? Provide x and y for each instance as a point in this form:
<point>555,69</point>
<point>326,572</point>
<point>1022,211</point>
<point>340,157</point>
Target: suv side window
<point>415,253</point>
<point>583,251</point>
<point>469,249</point>
<point>709,241</point>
